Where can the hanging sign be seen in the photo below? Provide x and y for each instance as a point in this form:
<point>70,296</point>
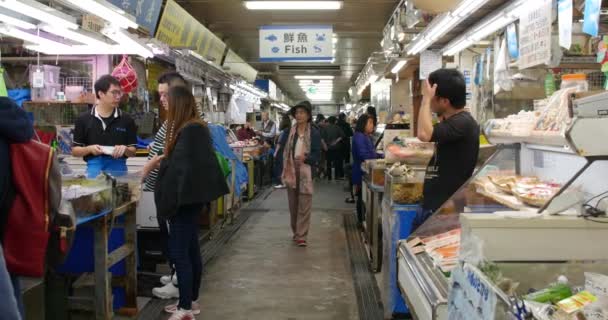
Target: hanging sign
<point>146,12</point>
<point>236,65</point>
<point>564,9</point>
<point>429,62</point>
<point>472,296</point>
<point>512,41</point>
<point>535,34</point>
<point>592,17</point>
<point>296,43</point>
<point>178,28</point>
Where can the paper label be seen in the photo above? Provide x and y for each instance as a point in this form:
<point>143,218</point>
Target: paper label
<point>471,297</point>
<point>564,9</point>
<point>592,17</point>
<point>535,35</point>
<point>38,79</point>
<point>429,62</point>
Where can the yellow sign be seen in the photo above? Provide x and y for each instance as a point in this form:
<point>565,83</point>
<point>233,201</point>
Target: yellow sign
<point>178,28</point>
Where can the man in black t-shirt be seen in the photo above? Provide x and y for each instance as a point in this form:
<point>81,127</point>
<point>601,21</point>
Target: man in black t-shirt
<point>456,138</point>
<point>105,136</point>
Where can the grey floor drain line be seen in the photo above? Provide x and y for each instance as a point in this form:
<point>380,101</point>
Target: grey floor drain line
<point>368,294</point>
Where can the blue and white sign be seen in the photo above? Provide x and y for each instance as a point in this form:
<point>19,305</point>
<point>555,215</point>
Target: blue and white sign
<point>146,12</point>
<point>296,43</point>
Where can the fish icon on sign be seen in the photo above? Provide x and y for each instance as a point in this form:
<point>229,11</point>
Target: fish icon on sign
<point>275,49</point>
<point>317,49</point>
<point>272,38</point>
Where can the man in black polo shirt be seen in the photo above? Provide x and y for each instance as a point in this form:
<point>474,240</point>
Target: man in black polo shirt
<point>105,136</point>
<point>456,138</point>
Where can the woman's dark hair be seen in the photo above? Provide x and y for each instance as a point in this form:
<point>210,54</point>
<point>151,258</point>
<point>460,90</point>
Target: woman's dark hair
<point>285,122</point>
<point>372,112</point>
<point>332,120</point>
<point>450,85</point>
<point>104,83</point>
<point>182,112</point>
<point>362,123</point>
<point>342,117</point>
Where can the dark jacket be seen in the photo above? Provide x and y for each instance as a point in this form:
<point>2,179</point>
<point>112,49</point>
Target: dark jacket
<point>331,134</point>
<point>15,127</point>
<point>363,149</point>
<point>191,174</point>
<point>315,145</point>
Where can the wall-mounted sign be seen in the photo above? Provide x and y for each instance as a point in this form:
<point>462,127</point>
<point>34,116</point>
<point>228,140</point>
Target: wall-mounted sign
<point>146,12</point>
<point>296,43</point>
<point>429,62</point>
<point>178,28</point>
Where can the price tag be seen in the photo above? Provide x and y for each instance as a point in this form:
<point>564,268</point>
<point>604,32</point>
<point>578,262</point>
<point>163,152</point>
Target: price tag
<point>471,297</point>
<point>38,79</point>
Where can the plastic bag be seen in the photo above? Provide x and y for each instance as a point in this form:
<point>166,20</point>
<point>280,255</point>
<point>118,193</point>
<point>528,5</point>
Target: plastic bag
<point>127,76</point>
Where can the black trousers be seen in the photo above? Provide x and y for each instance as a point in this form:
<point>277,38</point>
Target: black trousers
<point>334,160</point>
<point>360,206</point>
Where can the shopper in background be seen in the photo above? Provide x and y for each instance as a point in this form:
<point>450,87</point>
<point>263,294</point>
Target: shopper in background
<point>302,152</point>
<point>363,149</point>
<point>105,136</point>
<point>246,132</point>
<point>189,178</point>
<point>15,127</point>
<point>269,129</point>
<point>348,133</point>
<point>284,127</point>
<point>456,138</point>
<point>334,136</point>
<point>165,82</point>
<point>321,124</point>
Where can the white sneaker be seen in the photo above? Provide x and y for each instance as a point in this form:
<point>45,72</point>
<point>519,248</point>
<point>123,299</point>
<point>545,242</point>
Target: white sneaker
<point>279,186</point>
<point>168,278</point>
<point>172,308</point>
<point>182,314</point>
<point>169,291</point>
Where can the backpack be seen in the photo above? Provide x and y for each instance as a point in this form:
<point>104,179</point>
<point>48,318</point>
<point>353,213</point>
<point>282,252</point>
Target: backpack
<point>33,219</point>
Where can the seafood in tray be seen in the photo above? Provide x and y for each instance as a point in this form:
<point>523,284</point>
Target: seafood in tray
<point>529,190</point>
<point>409,151</point>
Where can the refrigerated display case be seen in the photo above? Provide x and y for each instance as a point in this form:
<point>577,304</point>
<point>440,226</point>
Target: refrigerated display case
<point>526,212</point>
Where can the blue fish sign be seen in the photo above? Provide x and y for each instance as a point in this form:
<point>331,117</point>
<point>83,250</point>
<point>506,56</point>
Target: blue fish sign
<point>272,38</point>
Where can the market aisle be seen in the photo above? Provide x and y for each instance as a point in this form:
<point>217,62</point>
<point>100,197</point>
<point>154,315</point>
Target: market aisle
<point>262,275</point>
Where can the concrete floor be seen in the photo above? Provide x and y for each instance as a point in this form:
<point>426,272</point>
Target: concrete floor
<point>262,275</point>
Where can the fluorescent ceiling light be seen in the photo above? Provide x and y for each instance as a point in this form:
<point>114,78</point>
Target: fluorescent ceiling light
<point>492,23</point>
<point>38,11</point>
<point>335,39</point>
<point>305,77</point>
<point>291,5</point>
<point>442,24</point>
<point>399,66</point>
<point>77,35</point>
<point>16,22</point>
<point>130,42</point>
<point>106,11</point>
<point>28,37</point>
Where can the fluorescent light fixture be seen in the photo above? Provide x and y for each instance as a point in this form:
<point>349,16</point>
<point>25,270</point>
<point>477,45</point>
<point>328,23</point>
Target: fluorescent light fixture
<point>38,11</point>
<point>442,24</point>
<point>130,42</point>
<point>106,11</point>
<point>291,5</point>
<point>373,79</point>
<point>399,66</point>
<point>16,22</point>
<point>77,35</point>
<point>493,22</point>
<point>28,37</point>
<point>335,39</point>
<point>305,77</point>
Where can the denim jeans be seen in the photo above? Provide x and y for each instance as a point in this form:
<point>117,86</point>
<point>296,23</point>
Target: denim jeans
<point>9,307</point>
<point>185,252</point>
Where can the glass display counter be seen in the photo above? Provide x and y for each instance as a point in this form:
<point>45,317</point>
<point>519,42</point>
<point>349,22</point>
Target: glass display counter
<point>520,211</point>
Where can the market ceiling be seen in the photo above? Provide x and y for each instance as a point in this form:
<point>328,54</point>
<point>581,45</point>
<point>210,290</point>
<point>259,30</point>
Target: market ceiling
<point>358,26</point>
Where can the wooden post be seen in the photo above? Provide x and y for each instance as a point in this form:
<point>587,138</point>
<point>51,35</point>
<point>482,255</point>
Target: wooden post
<point>131,262</point>
<point>103,291</point>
